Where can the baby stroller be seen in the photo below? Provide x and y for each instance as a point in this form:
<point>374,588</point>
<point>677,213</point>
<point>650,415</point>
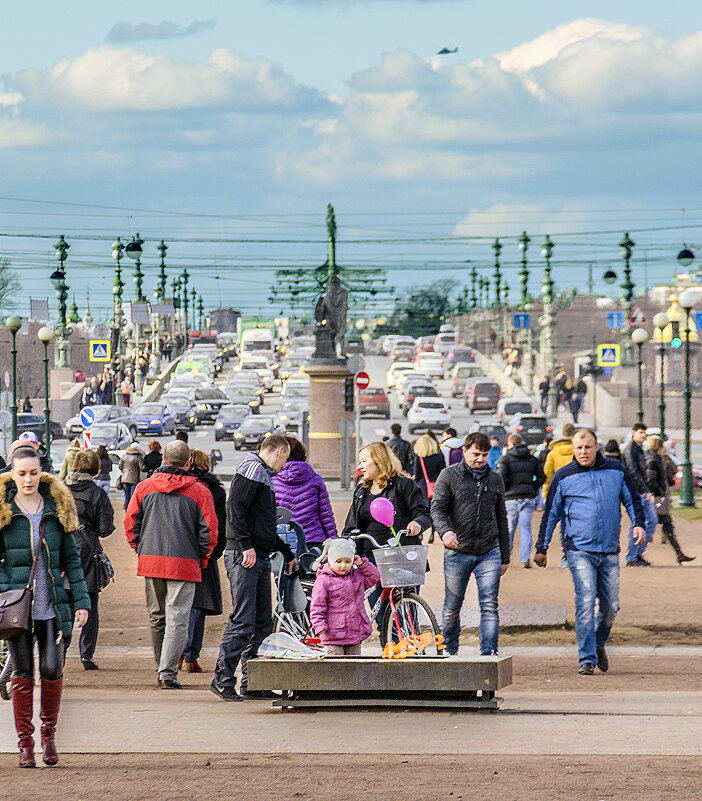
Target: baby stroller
<point>291,611</point>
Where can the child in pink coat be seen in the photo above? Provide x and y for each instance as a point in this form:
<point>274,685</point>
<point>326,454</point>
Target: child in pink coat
<point>337,611</point>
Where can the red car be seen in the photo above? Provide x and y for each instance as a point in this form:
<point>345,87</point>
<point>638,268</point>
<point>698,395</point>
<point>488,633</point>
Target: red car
<point>374,403</point>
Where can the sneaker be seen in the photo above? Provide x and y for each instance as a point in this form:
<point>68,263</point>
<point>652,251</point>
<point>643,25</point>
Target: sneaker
<point>259,695</point>
<point>192,667</point>
<point>602,661</point>
<point>644,562</point>
<point>169,684</point>
<point>526,564</point>
<point>223,693</point>
<point>563,562</point>
<point>586,669</point>
<point>88,664</point>
<point>638,562</point>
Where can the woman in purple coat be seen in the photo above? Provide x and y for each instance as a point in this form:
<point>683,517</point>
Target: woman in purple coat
<point>300,489</point>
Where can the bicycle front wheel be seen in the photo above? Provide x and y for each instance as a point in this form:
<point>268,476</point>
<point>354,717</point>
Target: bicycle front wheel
<point>412,617</point>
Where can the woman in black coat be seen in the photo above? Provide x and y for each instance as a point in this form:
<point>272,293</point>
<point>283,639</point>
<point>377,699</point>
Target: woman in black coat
<point>208,593</point>
<point>96,518</point>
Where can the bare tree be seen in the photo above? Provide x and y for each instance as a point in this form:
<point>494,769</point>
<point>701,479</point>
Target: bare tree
<point>9,286</point>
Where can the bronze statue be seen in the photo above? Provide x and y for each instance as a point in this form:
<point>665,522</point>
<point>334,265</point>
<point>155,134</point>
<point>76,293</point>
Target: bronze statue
<point>330,314</point>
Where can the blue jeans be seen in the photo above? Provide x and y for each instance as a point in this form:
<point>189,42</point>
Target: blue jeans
<point>634,551</point>
<point>520,510</point>
<point>458,567</point>
<point>196,633</point>
<point>595,576</point>
<point>128,490</point>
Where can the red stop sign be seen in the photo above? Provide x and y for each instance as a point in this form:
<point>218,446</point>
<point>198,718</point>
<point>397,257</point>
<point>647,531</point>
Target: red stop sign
<point>361,379</point>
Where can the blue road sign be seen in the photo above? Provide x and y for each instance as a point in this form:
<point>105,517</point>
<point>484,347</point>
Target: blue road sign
<point>99,350</point>
<point>522,320</point>
<point>87,417</point>
<point>698,321</point>
<point>615,319</point>
<point>608,355</point>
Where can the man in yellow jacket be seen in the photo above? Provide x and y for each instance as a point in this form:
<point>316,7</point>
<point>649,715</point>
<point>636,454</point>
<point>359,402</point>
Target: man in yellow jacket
<point>560,455</point>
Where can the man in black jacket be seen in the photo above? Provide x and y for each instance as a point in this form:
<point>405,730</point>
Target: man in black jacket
<point>401,448</point>
<point>522,475</point>
<point>251,536</point>
<point>468,512</point>
<point>635,462</point>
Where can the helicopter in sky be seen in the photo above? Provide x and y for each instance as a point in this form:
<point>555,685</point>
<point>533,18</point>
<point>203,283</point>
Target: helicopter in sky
<point>445,51</point>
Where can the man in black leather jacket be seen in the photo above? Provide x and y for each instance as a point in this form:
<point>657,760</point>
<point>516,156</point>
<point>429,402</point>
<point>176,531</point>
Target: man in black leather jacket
<point>635,462</point>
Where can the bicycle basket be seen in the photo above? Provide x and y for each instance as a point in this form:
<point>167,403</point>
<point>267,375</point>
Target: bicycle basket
<point>402,567</point>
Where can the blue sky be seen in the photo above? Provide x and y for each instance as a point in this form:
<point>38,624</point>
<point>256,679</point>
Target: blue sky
<point>149,116</point>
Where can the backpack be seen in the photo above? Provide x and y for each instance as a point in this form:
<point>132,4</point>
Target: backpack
<point>455,456</point>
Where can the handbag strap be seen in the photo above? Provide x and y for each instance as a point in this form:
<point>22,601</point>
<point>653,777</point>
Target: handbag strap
<point>424,470</point>
<point>37,555</point>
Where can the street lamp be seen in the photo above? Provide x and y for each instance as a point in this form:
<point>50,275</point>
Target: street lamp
<point>638,337</point>
<point>685,257</point>
<point>13,325</point>
<point>117,320</point>
<point>473,287</point>
<point>184,282</point>
<point>627,245</point>
<point>201,311</point>
<point>497,247</point>
<point>162,280</point>
<point>661,321</point>
<point>687,300</point>
<point>134,250</point>
<point>62,351</point>
<point>548,326</point>
<point>45,334</point>
<point>524,273</point>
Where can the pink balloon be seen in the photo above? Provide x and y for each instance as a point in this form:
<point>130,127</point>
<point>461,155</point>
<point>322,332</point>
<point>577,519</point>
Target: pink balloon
<point>383,511</point>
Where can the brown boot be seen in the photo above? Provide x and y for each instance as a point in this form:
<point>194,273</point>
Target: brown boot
<point>22,697</point>
<point>50,703</point>
<point>192,667</point>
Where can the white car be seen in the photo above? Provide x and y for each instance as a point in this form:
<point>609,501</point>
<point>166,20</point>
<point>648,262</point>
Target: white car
<point>260,366</point>
<point>395,370</point>
<point>411,378</point>
<point>432,363</point>
<point>428,413</point>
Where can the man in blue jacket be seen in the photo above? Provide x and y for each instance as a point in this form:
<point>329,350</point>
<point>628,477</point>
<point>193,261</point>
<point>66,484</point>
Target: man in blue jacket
<point>588,494</point>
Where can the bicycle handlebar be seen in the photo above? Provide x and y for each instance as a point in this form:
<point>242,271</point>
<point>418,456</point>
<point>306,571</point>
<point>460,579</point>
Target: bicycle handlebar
<point>372,540</point>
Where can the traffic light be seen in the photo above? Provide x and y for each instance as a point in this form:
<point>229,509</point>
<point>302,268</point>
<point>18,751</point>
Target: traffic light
<point>675,341</point>
<point>348,394</point>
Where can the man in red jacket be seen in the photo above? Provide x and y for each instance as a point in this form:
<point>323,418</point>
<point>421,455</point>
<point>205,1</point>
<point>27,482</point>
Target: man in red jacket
<point>171,524</point>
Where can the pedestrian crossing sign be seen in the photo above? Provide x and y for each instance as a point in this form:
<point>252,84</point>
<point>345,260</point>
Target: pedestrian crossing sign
<point>608,355</point>
<point>99,350</point>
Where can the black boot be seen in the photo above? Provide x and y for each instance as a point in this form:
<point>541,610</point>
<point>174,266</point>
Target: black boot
<point>679,555</point>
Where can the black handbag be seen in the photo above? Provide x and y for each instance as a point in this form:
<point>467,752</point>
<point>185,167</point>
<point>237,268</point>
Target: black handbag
<point>16,605</point>
<point>104,572</point>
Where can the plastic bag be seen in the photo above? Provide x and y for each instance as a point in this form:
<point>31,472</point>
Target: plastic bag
<point>281,645</point>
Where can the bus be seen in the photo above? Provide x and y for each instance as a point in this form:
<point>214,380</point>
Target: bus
<point>257,340</point>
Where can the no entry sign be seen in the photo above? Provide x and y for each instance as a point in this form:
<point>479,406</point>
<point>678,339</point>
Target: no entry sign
<point>362,379</point>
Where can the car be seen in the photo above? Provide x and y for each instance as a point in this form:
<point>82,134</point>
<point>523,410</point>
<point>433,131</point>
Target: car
<point>445,341</point>
<point>34,423</point>
<point>491,428</point>
<point>291,365</point>
<point>291,412</point>
<point>103,414</point>
<point>229,418</point>
<point>482,395</point>
<point>412,380</point>
<point>696,471</point>
<point>155,418</point>
<point>114,436</point>
<point>508,407</point>
<point>184,382</point>
<point>183,410</point>
<point>208,401</point>
<point>460,374</point>
<point>373,401</point>
<point>428,413</point>
<point>396,368</point>
<point>432,363</point>
<point>261,366</point>
<point>459,355</point>
<point>239,395</point>
<point>296,387</point>
<point>255,429</point>
<point>402,352</point>
<point>425,345</point>
<point>250,380</point>
<point>414,391</point>
<point>532,428</point>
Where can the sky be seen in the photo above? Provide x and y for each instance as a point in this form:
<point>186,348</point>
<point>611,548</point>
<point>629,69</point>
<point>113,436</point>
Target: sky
<point>225,129</point>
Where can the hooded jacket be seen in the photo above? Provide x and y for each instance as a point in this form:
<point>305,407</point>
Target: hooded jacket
<point>589,500</point>
<point>16,550</point>
<point>337,607</point>
<point>95,518</point>
<point>521,472</point>
<point>131,466</point>
<point>171,524</point>
<point>452,449</point>
<point>299,488</point>
<point>560,455</point>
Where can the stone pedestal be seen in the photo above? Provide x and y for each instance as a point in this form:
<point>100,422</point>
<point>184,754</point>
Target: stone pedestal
<point>326,412</point>
<point>59,379</point>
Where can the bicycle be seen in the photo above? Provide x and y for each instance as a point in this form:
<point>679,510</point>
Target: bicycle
<point>5,671</point>
<point>407,615</point>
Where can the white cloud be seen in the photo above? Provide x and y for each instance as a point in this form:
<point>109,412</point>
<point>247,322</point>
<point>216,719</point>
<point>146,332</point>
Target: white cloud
<point>16,133</point>
<point>166,29</point>
<point>10,98</point>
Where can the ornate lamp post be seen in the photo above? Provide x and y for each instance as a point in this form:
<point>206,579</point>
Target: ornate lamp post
<point>193,295</point>
<point>660,321</point>
<point>548,323</point>
<point>62,350</point>
<point>184,282</point>
<point>134,250</point>
<point>524,272</point>
<point>497,247</point>
<point>162,280</point>
<point>13,325</point>
<point>45,334</point>
<point>117,319</point>
<point>200,311</point>
<point>473,287</point>
<point>638,337</point>
<point>627,245</point>
<point>687,300</point>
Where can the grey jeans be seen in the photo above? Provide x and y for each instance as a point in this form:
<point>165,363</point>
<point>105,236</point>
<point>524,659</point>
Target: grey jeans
<point>343,650</point>
<point>169,603</point>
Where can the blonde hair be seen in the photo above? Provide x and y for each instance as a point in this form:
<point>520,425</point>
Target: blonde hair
<point>199,460</point>
<point>426,446</point>
<point>385,460</point>
<point>655,444</point>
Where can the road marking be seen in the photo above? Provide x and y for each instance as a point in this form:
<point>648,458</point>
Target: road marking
<point>200,434</point>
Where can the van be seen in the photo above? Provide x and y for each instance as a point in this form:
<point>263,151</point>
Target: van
<point>460,373</point>
<point>484,396</point>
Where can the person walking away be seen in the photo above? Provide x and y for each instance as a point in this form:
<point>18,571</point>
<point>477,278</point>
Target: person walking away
<point>544,389</point>
<point>172,525</point>
<point>494,453</point>
<point>96,520</point>
<point>659,483</point>
<point>27,405</point>
<point>251,537</point>
<point>451,446</point>
<point>612,451</point>
<point>428,463</point>
<point>208,593</point>
<point>337,610</point>
<point>522,476</point>
<point>153,459</point>
<point>574,402</point>
<point>592,489</point>
<point>131,466</point>
<point>127,388</point>
<point>468,511</point>
<point>67,464</point>
<point>303,491</point>
<point>401,448</point>
<point>635,462</point>
<point>37,521</point>
<point>103,477</point>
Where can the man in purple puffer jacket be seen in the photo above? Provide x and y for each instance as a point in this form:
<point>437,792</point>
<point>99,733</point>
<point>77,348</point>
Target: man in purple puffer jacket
<point>300,489</point>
